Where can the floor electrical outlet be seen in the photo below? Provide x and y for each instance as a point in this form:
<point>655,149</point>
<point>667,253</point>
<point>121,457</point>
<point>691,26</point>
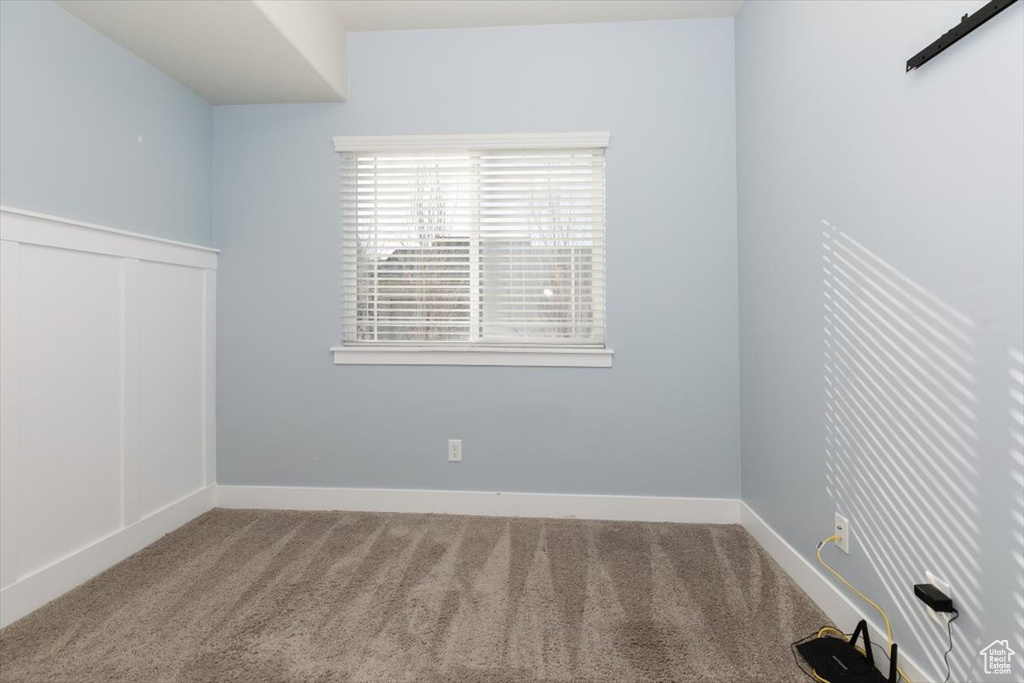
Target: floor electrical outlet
<point>454,450</point>
<point>842,530</point>
<point>940,617</point>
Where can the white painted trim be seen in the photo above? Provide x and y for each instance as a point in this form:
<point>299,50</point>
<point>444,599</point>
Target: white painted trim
<point>29,227</point>
<point>427,355</point>
<point>483,503</point>
<point>9,410</point>
<point>103,228</point>
<point>33,591</point>
<point>209,377</point>
<point>399,143</point>
<point>131,434</point>
<point>828,596</point>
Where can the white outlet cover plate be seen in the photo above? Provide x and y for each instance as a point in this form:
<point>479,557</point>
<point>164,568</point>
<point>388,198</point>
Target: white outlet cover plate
<point>939,617</point>
<point>844,524</point>
<point>454,450</point>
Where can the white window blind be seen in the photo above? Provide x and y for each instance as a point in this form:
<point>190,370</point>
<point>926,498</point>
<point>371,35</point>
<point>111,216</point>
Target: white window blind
<point>463,241</point>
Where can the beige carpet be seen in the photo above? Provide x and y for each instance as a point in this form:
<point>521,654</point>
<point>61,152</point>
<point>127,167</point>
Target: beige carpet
<point>275,597</point>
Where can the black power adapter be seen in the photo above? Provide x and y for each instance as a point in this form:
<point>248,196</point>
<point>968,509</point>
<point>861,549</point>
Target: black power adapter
<point>940,602</point>
<point>933,597</point>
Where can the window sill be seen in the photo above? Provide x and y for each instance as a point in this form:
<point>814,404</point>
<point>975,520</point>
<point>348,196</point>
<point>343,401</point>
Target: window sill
<point>420,355</point>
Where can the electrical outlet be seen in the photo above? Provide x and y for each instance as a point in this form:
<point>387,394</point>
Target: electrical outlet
<point>454,450</point>
<point>939,617</point>
<point>842,530</point>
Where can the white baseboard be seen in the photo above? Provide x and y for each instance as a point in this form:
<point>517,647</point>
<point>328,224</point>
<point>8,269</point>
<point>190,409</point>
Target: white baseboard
<point>35,590</point>
<point>834,603</point>
<point>484,503</point>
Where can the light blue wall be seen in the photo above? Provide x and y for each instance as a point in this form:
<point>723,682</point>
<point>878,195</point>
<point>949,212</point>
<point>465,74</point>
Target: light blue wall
<point>883,381</point>
<point>916,329</point>
<point>72,106</point>
<point>662,421</point>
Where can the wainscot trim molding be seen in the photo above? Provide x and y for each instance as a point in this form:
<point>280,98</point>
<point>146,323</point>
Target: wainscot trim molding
<point>30,227</point>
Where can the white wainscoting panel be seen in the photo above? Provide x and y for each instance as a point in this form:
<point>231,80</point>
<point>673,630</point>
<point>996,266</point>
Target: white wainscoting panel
<point>69,401</point>
<point>171,367</point>
<point>106,398</point>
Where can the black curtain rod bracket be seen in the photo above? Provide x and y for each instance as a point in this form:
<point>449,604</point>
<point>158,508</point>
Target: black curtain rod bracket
<point>967,24</point>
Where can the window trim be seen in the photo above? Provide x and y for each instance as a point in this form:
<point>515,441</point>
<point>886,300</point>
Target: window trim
<point>413,354</point>
<point>538,356</point>
<point>402,143</point>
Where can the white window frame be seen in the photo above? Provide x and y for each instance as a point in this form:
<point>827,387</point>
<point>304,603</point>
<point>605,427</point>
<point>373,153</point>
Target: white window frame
<point>535,356</point>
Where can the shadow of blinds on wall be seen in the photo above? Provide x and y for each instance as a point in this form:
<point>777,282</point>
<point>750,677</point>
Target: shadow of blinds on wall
<point>901,435</point>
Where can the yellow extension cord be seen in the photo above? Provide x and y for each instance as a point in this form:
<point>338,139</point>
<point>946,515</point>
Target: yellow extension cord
<point>828,629</point>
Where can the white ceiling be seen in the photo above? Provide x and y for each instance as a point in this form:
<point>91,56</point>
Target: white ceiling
<point>384,15</point>
<point>266,51</point>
